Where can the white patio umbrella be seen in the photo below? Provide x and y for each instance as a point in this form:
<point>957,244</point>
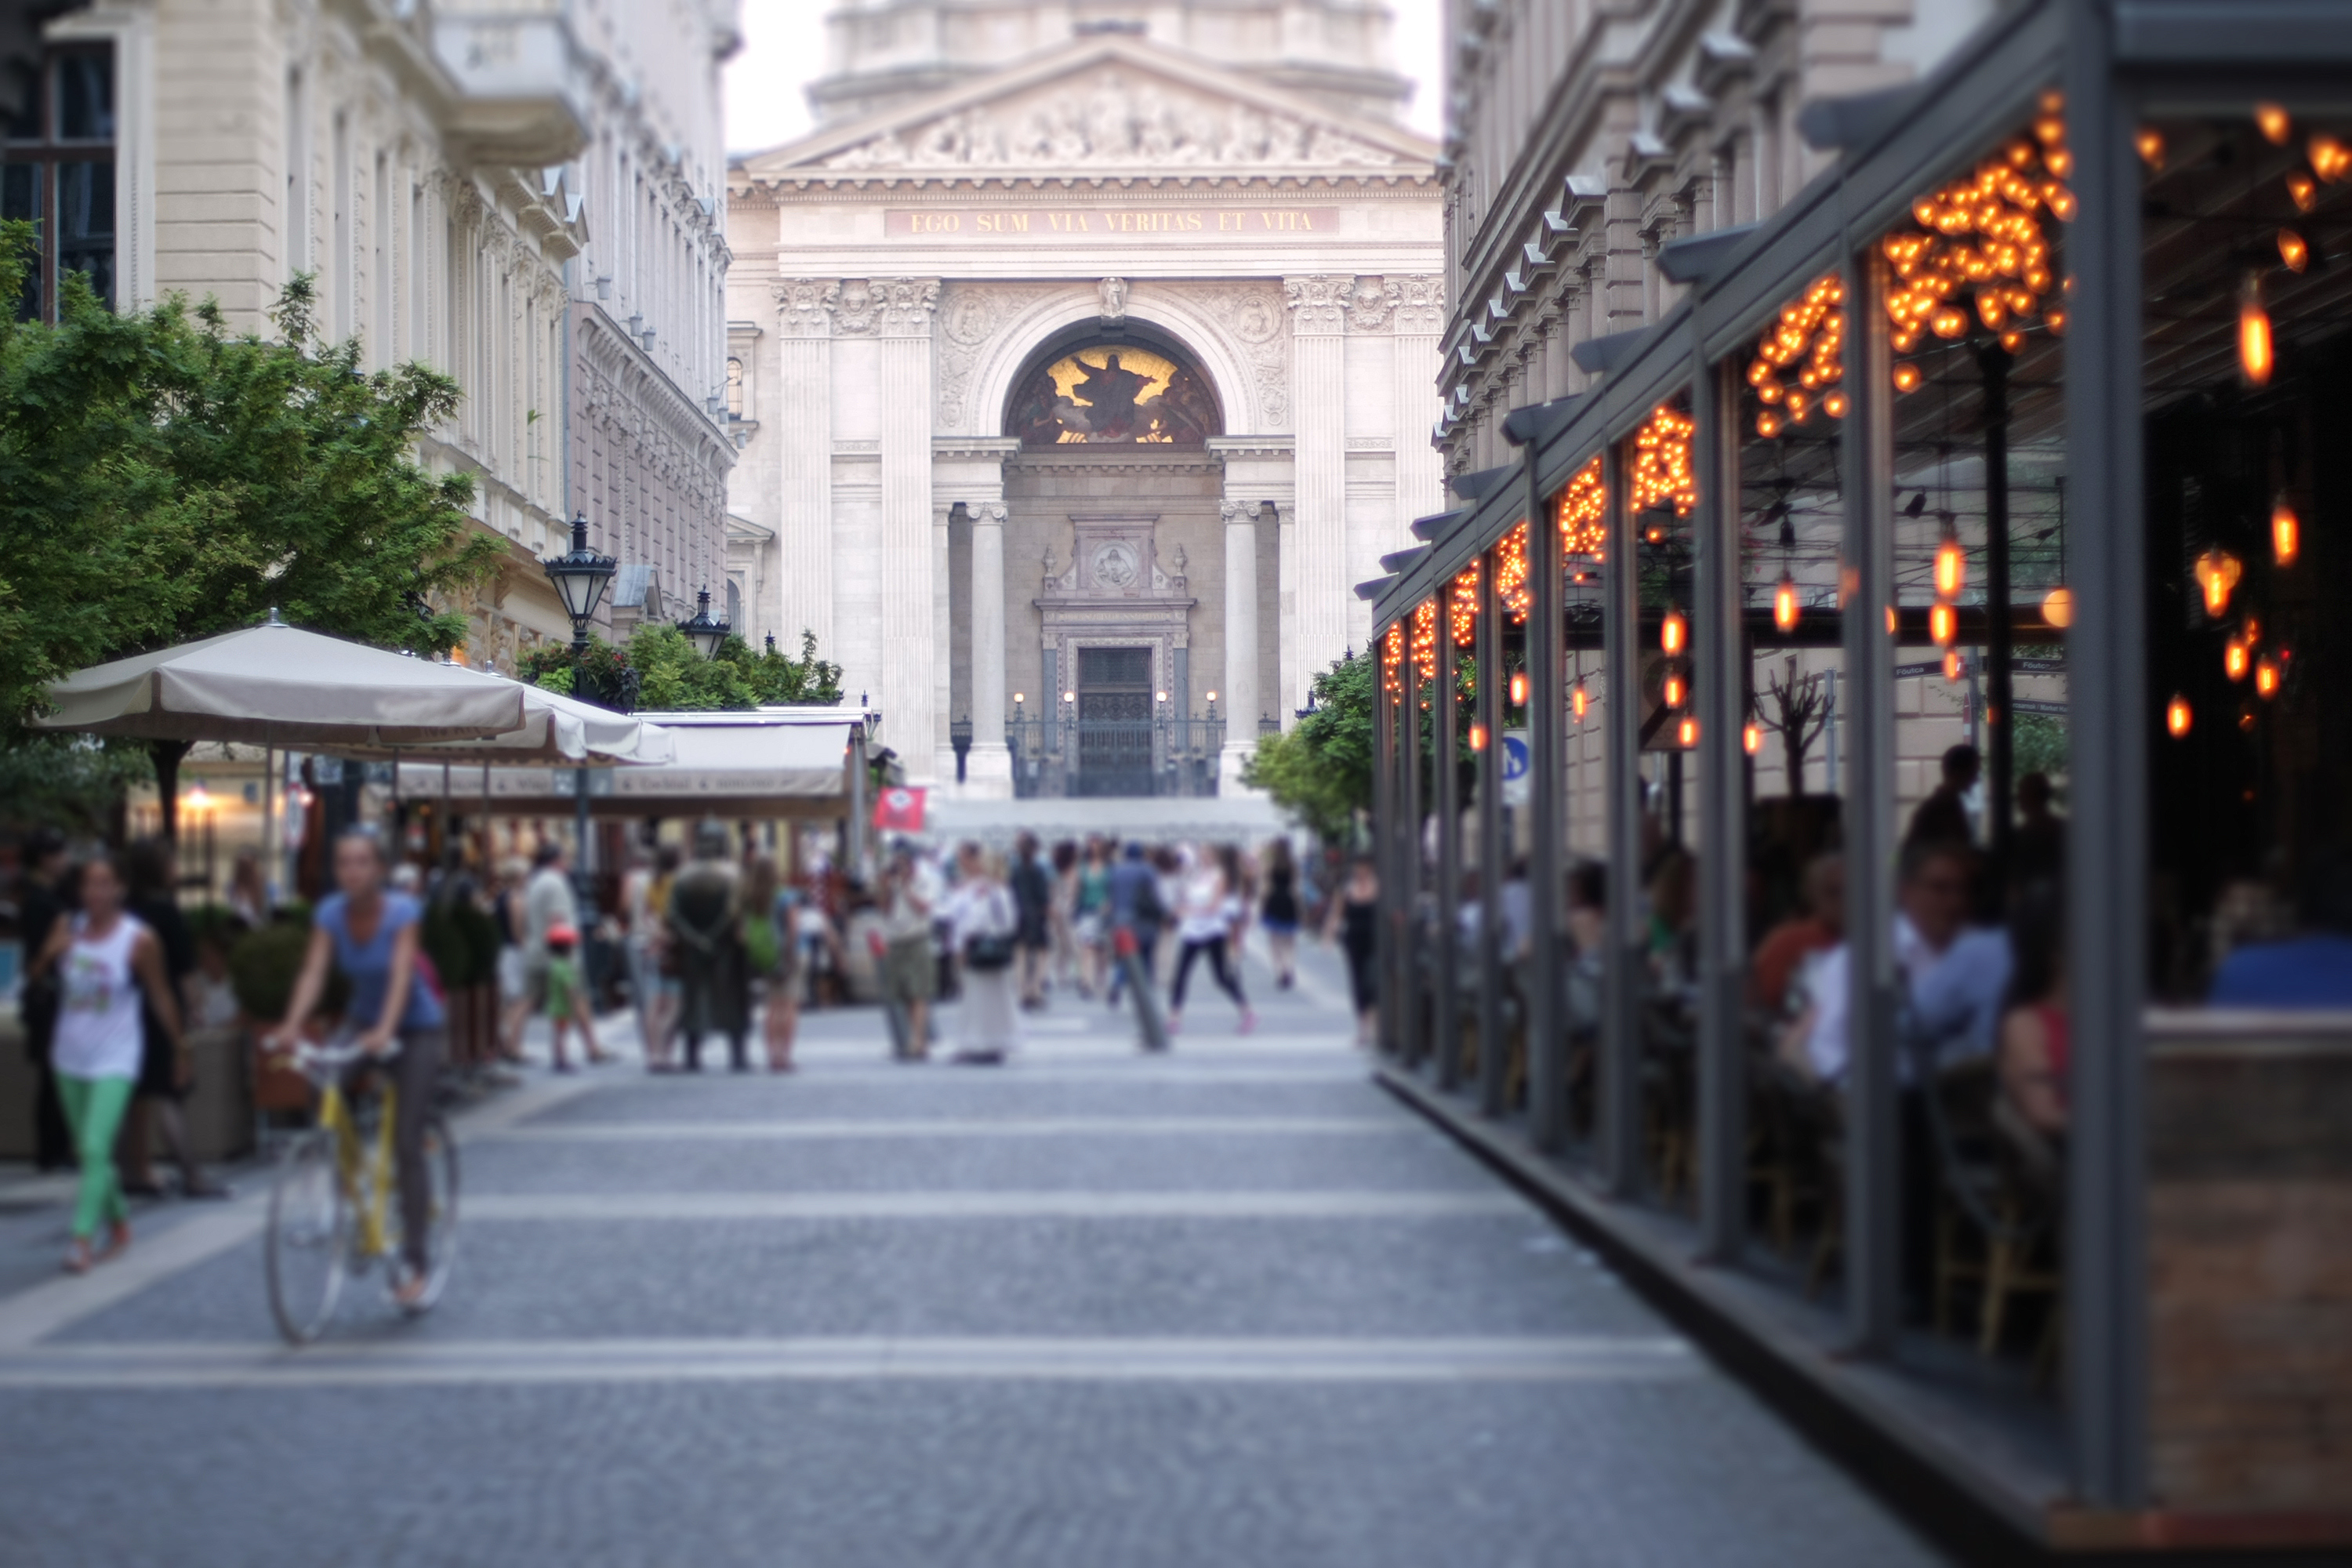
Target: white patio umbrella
<point>555,730</point>
<point>275,685</point>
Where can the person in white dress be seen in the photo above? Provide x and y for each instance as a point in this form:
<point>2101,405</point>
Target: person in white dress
<point>983,916</point>
<point>106,962</point>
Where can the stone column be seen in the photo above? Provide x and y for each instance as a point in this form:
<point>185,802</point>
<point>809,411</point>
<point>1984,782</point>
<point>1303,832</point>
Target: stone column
<point>900,314</point>
<point>802,430</point>
<point>988,770</point>
<point>1318,628</point>
<point>1239,696</point>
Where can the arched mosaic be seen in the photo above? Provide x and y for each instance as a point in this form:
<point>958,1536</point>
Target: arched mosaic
<point>1114,395</point>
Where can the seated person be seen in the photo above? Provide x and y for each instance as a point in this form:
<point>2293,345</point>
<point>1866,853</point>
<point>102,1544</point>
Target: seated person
<point>1820,927</point>
<point>2034,1032</point>
<point>2311,969</point>
<point>1932,897</point>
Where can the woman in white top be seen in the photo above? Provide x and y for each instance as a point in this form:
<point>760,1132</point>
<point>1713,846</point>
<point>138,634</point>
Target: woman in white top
<point>1206,915</point>
<point>106,961</point>
<point>982,913</point>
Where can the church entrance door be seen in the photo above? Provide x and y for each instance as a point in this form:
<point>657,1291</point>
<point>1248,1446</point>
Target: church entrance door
<point>1115,721</point>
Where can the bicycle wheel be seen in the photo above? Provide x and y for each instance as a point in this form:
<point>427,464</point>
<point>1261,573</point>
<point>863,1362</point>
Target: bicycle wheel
<point>309,1235</point>
<point>441,1235</point>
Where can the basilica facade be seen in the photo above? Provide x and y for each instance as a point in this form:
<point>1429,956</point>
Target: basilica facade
<point>1085,381</point>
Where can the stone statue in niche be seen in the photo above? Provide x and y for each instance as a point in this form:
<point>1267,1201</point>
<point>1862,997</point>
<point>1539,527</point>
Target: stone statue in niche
<point>1114,300</point>
<point>1115,564</point>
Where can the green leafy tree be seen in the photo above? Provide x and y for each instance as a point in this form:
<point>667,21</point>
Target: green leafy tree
<point>162,479</point>
<point>672,677</point>
<point>1320,770</point>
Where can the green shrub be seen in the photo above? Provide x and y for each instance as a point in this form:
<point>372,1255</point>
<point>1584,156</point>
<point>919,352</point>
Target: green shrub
<point>263,966</point>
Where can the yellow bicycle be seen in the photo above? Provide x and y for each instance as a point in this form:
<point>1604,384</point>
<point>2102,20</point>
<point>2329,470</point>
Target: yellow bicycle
<point>332,1209</point>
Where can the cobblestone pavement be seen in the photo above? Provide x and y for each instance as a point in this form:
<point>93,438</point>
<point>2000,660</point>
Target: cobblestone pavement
<point>1232,1307</point>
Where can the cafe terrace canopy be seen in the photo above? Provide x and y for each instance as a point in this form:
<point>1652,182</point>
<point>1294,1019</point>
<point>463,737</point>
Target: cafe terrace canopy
<point>275,685</point>
<point>555,730</point>
<point>762,763</point>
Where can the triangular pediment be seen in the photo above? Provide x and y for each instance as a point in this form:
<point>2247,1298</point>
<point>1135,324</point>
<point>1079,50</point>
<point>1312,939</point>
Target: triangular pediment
<point>1101,106</point>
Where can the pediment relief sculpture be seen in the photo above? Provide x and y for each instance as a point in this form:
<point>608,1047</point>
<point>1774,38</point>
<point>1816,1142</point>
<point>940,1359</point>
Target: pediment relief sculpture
<point>1114,118</point>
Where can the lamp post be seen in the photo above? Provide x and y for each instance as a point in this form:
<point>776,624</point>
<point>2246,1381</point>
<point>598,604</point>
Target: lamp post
<point>707,634</point>
<point>581,577</point>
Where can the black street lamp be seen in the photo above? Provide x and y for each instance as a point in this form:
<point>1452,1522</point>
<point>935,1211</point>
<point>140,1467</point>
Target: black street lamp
<point>581,577</point>
<point>704,633</point>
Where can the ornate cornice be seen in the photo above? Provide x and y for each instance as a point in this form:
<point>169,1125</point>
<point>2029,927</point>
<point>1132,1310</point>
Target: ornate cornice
<point>1318,303</point>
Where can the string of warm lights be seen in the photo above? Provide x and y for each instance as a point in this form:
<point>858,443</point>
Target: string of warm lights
<point>1392,660</point>
<point>1584,512</point>
<point>1511,574</point>
<point>1424,640</point>
<point>1462,606</point>
<point>1812,329</point>
<point>1661,462</point>
<point>1979,241</point>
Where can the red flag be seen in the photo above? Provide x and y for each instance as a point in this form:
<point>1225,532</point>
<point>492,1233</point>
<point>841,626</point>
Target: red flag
<point>899,810</point>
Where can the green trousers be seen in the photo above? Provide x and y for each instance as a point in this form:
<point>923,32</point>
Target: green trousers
<point>94,1107</point>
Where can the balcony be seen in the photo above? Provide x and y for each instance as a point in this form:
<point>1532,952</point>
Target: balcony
<point>521,81</point>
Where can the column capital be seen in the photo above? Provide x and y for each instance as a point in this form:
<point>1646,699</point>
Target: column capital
<point>992,513</point>
<point>1319,304</point>
<point>1242,509</point>
<point>880,307</point>
<point>1420,304</point>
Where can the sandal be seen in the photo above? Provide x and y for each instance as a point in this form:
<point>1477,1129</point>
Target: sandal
<point>78,1256</point>
<point>118,1242</point>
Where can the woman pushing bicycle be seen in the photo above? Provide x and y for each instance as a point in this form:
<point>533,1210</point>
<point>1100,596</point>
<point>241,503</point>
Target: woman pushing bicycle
<point>370,934</point>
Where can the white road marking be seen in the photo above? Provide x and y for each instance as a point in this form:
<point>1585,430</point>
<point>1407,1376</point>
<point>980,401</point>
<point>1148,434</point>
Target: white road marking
<point>605,1207</point>
<point>828,1129</point>
<point>268,1365</point>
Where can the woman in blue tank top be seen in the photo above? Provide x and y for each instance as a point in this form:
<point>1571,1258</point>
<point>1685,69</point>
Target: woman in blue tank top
<point>370,934</point>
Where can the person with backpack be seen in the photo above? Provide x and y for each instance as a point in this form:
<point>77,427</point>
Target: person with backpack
<point>1137,909</point>
<point>772,955</point>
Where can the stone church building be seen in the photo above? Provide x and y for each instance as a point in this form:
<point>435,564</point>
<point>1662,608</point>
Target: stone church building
<point>1082,360</point>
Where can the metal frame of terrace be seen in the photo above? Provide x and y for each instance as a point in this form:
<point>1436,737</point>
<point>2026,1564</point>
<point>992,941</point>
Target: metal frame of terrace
<point>2116,63</point>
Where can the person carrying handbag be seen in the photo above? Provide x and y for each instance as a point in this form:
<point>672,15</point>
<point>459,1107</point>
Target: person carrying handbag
<point>986,921</point>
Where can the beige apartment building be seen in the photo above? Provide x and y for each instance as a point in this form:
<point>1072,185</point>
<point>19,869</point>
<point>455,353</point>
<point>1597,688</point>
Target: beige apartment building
<point>528,195</point>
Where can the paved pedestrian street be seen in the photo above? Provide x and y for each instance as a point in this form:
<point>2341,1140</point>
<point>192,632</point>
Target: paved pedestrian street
<point>1234,1306</point>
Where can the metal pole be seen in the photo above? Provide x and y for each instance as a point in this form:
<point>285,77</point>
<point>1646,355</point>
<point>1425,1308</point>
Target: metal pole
<point>1384,831</point>
<point>268,830</point>
<point>1493,938</point>
<point>1992,713</point>
<point>1620,1115</point>
<point>1872,1195</point>
<point>1720,632</point>
<point>1406,906</point>
<point>2107,952</point>
<point>1445,767</point>
<point>1540,988</point>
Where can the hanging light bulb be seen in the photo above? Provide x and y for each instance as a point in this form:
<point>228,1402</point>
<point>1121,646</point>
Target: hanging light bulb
<point>1519,688</point>
<point>2234,659</point>
<point>1578,700</point>
<point>1674,691</point>
<point>1751,737</point>
<point>2255,358</point>
<point>1943,623</point>
<point>1954,667</point>
<point>1784,604</point>
<point>1907,378</point>
<point>2176,715</point>
<point>2330,159</point>
<point>2294,250</point>
<point>2276,125</point>
<point>1687,733</point>
<point>2217,572</point>
<point>1477,737</point>
<point>1672,632</point>
<point>2058,607</point>
<point>2286,533</point>
<point>1768,423</point>
<point>1951,566</point>
<point>1835,404</point>
<point>2267,677</point>
<point>2150,143</point>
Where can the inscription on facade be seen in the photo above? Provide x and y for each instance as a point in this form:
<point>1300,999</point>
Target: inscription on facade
<point>1111,222</point>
